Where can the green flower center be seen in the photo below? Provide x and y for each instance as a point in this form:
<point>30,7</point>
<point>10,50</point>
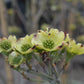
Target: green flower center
<point>48,44</point>
<point>5,45</point>
<point>25,47</point>
<point>16,60</point>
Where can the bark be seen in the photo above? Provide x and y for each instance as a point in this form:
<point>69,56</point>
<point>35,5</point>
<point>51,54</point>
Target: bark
<point>4,33</point>
<point>72,18</point>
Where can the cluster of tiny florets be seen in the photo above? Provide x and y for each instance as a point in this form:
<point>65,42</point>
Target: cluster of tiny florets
<point>5,45</point>
<point>25,47</point>
<point>48,44</point>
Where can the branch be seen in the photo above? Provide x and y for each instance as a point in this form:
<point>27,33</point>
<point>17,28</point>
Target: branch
<point>19,13</point>
<point>44,76</point>
<point>22,73</point>
<point>41,9</point>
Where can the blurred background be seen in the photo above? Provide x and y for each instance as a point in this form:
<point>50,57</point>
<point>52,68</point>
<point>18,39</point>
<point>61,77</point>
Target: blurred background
<point>21,17</point>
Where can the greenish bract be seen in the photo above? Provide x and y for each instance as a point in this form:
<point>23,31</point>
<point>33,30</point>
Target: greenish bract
<point>24,45</point>
<point>48,40</point>
<point>7,44</point>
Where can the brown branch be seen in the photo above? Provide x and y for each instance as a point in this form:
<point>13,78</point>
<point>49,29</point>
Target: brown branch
<point>42,6</point>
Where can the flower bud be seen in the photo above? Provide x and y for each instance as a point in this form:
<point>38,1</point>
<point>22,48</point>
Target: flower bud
<point>15,59</point>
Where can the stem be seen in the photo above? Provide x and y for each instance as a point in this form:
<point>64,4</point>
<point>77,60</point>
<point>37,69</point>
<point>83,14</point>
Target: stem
<point>55,82</point>
<point>34,80</point>
<point>28,65</point>
<point>55,69</point>
<point>41,74</point>
<point>37,80</point>
<point>50,70</point>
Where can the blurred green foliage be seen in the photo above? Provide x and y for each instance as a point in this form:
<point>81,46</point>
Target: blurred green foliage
<point>14,30</point>
<point>44,26</point>
<point>72,27</point>
<point>80,38</point>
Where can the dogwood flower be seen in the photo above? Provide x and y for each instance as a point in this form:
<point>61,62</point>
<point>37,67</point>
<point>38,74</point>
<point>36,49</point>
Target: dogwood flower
<point>48,40</point>
<point>7,44</point>
<point>24,45</point>
<point>73,47</point>
<point>15,59</point>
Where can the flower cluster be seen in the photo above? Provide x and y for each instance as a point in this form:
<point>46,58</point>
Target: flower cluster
<point>50,41</point>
